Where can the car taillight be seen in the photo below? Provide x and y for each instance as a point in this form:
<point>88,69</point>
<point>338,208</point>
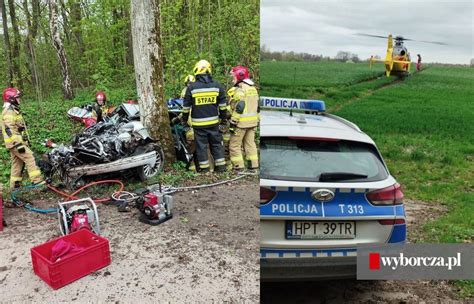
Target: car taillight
<point>266,195</point>
<point>392,195</point>
<point>392,222</point>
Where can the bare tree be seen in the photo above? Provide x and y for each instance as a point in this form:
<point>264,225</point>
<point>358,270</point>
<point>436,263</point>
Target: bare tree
<point>6,39</point>
<point>148,62</point>
<point>68,93</point>
<point>15,47</point>
<point>32,29</point>
<point>76,17</point>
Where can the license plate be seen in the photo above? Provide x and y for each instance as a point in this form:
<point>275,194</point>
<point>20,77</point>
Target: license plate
<point>312,230</point>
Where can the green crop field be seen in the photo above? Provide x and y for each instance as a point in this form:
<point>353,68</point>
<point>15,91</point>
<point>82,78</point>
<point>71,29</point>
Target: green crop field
<point>423,125</point>
<point>312,79</point>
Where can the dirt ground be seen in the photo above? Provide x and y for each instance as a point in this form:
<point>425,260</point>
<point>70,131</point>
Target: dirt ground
<point>353,291</point>
<point>208,251</point>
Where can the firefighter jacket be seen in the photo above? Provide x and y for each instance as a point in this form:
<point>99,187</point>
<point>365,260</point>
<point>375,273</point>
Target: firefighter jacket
<point>99,111</point>
<point>206,101</point>
<point>13,127</point>
<point>183,93</point>
<point>245,108</point>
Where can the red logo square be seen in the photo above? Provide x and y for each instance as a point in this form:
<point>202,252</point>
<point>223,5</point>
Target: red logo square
<point>374,261</point>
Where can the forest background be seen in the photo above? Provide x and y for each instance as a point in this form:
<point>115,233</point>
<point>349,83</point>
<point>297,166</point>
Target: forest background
<point>97,42</point>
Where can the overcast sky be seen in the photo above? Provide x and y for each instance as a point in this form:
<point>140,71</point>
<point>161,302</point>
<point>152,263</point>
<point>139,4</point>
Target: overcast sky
<point>328,26</point>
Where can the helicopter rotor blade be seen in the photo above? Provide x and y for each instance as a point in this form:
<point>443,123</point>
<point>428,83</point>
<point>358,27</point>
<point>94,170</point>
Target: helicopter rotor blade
<point>400,38</point>
<point>369,35</point>
<point>424,41</point>
<point>433,42</point>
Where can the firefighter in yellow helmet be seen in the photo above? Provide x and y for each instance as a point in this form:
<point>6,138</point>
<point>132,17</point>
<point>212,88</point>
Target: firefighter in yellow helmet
<point>187,80</point>
<point>244,120</point>
<point>205,100</point>
<point>189,132</point>
<point>16,140</point>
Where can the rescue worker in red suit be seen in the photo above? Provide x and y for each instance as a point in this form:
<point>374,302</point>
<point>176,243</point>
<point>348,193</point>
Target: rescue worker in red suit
<point>418,63</point>
<point>16,139</point>
<point>99,108</point>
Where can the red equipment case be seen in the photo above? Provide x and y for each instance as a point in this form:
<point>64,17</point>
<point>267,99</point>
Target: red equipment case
<point>95,256</point>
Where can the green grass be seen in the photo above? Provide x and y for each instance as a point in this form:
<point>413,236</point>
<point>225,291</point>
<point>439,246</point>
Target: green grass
<point>423,125</point>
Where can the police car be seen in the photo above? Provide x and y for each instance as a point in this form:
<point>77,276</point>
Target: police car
<point>324,188</point>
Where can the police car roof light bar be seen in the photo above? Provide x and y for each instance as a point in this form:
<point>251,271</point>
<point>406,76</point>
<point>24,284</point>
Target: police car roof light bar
<point>292,104</point>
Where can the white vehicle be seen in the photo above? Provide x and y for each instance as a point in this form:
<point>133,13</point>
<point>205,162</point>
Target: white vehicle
<point>324,188</point>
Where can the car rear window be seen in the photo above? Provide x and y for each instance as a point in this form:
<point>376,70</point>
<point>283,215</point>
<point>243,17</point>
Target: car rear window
<point>306,159</point>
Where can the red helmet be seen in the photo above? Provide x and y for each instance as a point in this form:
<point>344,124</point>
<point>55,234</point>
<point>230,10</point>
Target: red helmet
<point>240,72</point>
<point>11,94</point>
<point>101,94</point>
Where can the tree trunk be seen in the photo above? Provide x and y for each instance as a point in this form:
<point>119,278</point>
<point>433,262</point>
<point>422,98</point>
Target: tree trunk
<point>65,20</point>
<point>30,52</point>
<point>148,61</point>
<point>76,17</point>
<point>68,93</point>
<point>16,44</point>
<point>35,19</point>
<point>6,39</point>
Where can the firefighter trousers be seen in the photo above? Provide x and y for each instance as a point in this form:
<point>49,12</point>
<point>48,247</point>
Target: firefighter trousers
<point>19,160</point>
<point>243,137</point>
<point>226,139</point>
<point>209,137</point>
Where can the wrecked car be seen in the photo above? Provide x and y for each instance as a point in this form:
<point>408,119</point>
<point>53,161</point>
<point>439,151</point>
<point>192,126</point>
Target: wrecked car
<point>120,143</point>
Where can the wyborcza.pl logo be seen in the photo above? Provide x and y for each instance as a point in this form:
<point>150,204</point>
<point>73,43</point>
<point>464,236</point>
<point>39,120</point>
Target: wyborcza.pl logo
<point>376,261</point>
<point>415,261</point>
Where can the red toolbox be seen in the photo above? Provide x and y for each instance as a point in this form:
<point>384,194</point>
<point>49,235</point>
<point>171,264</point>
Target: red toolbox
<point>94,255</point>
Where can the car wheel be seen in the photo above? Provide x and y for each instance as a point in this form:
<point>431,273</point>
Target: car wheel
<point>145,172</point>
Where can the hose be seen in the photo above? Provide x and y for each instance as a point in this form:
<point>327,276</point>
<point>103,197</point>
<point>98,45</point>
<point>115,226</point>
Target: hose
<point>122,196</point>
<point>169,189</point>
<point>210,185</point>
<point>28,206</point>
<point>73,196</point>
<point>117,195</point>
<point>68,196</point>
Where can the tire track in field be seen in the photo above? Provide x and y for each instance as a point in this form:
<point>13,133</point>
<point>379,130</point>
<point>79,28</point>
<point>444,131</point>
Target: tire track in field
<point>364,94</point>
<point>366,80</point>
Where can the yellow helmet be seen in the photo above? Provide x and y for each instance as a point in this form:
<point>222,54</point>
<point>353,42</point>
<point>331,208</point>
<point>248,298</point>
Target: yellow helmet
<point>188,79</point>
<point>201,67</point>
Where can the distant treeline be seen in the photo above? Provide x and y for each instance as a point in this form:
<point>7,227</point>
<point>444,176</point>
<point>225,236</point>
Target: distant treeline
<point>343,56</point>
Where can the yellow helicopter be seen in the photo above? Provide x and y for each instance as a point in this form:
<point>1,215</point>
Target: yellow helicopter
<point>397,59</point>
